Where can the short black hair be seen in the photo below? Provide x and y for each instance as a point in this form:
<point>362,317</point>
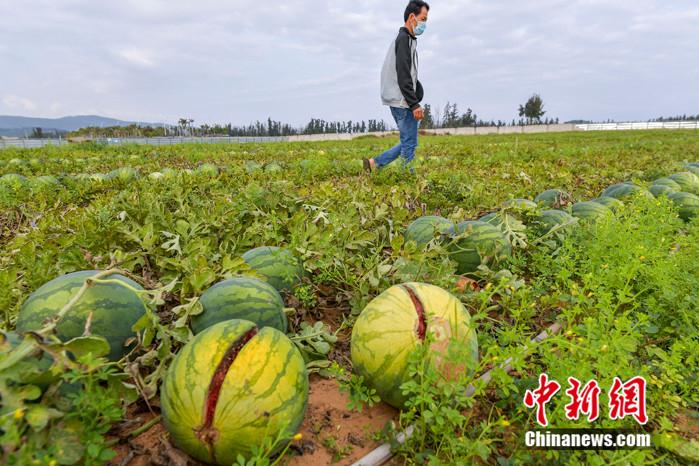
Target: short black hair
<point>414,7</point>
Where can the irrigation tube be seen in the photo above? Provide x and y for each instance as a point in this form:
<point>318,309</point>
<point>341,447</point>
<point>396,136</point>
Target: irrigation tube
<point>383,453</point>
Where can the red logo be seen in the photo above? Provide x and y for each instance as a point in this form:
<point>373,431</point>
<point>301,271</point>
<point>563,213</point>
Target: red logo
<point>628,399</point>
<point>625,399</point>
<point>540,397</point>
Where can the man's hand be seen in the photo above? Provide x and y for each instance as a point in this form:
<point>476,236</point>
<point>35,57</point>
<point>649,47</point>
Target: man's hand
<point>419,113</point>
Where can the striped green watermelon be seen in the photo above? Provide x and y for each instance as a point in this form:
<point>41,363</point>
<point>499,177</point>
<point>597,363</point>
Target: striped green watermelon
<point>612,203</point>
<point>46,181</point>
<point>273,167</point>
<point>278,265</point>
<point>124,174</point>
<point>590,211</point>
<point>208,170</point>
<point>114,308</point>
<point>13,181</point>
<point>687,203</point>
<point>553,198</point>
<point>424,229</point>
<point>394,323</point>
<point>664,186</point>
<point>658,190</point>
<point>251,166</point>
<point>688,181</point>
<point>230,388</point>
<point>622,191</point>
<point>550,219</point>
<point>693,167</point>
<point>521,205</point>
<point>243,298</point>
<point>475,243</point>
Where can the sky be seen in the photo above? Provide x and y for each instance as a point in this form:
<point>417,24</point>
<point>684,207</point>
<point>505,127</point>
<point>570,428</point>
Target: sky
<point>241,60</point>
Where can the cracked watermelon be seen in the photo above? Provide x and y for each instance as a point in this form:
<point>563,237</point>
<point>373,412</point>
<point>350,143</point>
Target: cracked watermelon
<point>475,243</point>
<point>394,323</point>
<point>232,386</point>
<point>244,298</point>
<point>424,229</point>
<point>278,265</point>
<point>114,308</point>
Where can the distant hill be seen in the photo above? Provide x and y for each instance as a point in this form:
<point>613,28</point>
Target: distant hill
<point>19,126</point>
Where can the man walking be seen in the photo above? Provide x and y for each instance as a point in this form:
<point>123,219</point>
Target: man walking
<point>400,88</point>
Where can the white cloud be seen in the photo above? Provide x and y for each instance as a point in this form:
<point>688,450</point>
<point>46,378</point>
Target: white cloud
<point>13,102</point>
<point>137,57</point>
<point>222,60</point>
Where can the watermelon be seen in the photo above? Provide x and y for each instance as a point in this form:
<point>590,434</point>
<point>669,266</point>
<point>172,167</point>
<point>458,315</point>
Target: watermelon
<point>553,198</point>
<point>13,181</point>
<point>693,167</point>
<point>208,170</point>
<point>273,167</point>
<point>623,191</point>
<point>169,173</point>
<point>232,387</point>
<point>688,181</point>
<point>590,211</point>
<point>687,203</point>
<point>664,186</point>
<point>550,219</point>
<point>17,162</point>
<point>521,205</point>
<point>252,166</point>
<point>46,181</point>
<point>156,176</point>
<point>244,298</point>
<point>124,174</point>
<point>394,323</point>
<point>493,218</point>
<point>658,190</point>
<point>278,265</point>
<point>114,308</point>
<point>610,202</point>
<point>475,243</point>
<point>424,229</point>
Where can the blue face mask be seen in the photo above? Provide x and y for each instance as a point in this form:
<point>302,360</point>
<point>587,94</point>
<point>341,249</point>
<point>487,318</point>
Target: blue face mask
<point>420,28</point>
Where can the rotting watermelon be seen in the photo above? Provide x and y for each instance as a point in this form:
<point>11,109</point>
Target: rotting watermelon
<point>394,323</point>
<point>278,265</point>
<point>590,211</point>
<point>114,309</point>
<point>553,199</point>
<point>244,298</point>
<point>424,229</point>
<point>687,204</point>
<point>230,388</point>
<point>475,243</point>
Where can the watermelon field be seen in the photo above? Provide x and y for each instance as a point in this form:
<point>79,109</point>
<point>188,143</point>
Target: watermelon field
<point>275,304</point>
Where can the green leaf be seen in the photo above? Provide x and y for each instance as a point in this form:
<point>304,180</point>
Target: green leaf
<point>82,346</point>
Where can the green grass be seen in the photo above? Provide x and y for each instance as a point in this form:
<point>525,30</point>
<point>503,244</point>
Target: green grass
<point>623,315</point>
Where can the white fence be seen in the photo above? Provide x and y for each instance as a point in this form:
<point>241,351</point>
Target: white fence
<point>481,130</point>
<point>639,126</point>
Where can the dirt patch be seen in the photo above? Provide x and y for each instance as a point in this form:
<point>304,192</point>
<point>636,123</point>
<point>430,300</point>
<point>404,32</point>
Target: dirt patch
<point>334,435</point>
<point>331,433</point>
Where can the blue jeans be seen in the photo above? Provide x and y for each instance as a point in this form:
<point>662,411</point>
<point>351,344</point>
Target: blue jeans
<point>407,125</point>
